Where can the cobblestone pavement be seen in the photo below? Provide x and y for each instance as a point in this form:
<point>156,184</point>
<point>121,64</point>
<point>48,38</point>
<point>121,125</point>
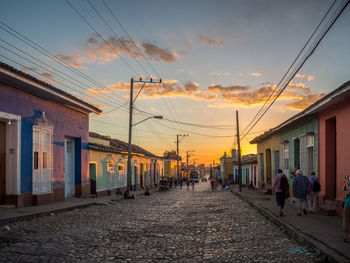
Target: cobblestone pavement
<point>179,225</point>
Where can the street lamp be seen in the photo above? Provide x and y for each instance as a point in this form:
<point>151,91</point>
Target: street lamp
<point>129,185</point>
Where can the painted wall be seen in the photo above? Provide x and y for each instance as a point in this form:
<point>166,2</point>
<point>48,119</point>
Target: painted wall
<point>274,144</point>
<point>66,121</point>
<point>341,112</point>
<point>308,125</point>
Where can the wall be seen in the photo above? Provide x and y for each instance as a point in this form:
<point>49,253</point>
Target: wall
<point>303,126</point>
<point>274,144</point>
<point>67,122</point>
<point>341,112</point>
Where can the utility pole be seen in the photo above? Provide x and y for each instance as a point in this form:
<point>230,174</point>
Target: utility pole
<point>239,155</point>
<point>225,167</point>
<point>177,152</point>
<point>188,154</point>
<point>132,100</point>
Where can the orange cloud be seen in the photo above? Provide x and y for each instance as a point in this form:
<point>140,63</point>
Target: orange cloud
<point>256,74</point>
<point>304,101</point>
<point>297,95</point>
<point>74,60</point>
<point>308,77</point>
<point>210,41</point>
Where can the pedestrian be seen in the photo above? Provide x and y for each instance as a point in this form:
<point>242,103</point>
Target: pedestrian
<point>181,181</point>
<point>281,188</point>
<point>300,190</point>
<point>346,215</point>
<point>188,184</point>
<point>312,197</point>
<point>212,183</point>
<point>192,183</point>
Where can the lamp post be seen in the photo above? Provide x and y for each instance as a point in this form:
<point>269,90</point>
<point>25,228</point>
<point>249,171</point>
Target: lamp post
<point>130,148</point>
<point>132,100</point>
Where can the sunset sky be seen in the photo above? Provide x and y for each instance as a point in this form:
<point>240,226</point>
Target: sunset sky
<point>214,57</point>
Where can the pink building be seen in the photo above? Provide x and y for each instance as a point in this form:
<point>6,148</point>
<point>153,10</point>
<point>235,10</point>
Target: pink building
<point>334,143</point>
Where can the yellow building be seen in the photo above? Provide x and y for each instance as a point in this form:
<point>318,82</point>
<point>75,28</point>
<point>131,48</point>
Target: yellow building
<point>108,166</point>
<point>268,151</point>
<point>169,168</point>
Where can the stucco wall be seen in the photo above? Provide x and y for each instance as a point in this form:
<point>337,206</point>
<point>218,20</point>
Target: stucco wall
<point>274,144</point>
<point>308,125</point>
<point>341,112</point>
<point>66,121</point>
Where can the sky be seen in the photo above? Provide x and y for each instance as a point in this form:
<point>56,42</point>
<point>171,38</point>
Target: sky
<point>214,58</point>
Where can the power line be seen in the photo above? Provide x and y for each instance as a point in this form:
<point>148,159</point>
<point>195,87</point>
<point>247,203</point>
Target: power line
<point>306,57</point>
<point>53,57</point>
<point>100,36</point>
<point>48,70</point>
<point>130,38</point>
<point>117,37</point>
<point>290,67</point>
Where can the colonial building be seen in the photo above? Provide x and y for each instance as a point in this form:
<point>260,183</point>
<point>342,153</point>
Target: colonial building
<point>108,166</point>
<point>315,139</point>
<point>43,141</point>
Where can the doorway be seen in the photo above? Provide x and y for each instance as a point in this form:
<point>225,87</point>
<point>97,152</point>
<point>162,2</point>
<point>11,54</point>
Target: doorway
<point>141,175</point>
<point>93,172</point>
<point>268,166</point>
<point>69,167</point>
<point>331,160</point>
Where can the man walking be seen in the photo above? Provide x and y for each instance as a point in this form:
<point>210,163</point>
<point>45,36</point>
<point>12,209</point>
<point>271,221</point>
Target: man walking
<point>281,187</point>
<point>300,190</point>
<point>315,188</point>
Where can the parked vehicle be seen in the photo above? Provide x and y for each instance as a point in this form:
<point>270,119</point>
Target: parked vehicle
<point>194,175</point>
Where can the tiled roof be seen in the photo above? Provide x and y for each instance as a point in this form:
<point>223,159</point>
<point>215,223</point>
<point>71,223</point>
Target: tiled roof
<point>117,146</point>
<point>47,85</point>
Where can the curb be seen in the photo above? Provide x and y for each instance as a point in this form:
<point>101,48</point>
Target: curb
<point>329,254</point>
<point>45,213</point>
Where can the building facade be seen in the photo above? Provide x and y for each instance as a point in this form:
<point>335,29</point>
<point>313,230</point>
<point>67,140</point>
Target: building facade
<point>108,166</point>
<point>44,134</point>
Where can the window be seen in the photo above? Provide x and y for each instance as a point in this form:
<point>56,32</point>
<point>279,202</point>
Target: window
<point>286,158</point>
<point>42,156</point>
<point>36,160</point>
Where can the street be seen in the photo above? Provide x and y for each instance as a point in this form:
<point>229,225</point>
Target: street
<point>179,225</point>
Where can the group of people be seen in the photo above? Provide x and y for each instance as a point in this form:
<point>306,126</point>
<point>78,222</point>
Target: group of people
<point>305,191</point>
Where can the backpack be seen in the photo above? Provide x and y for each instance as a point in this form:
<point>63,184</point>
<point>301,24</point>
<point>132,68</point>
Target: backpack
<point>316,186</point>
<point>284,185</point>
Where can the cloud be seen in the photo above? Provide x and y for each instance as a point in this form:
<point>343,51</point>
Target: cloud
<point>95,50</point>
<point>256,74</point>
<point>74,60</point>
<point>210,41</point>
<point>189,42</point>
<point>157,53</point>
<point>215,73</point>
<point>304,101</point>
<point>308,77</point>
<point>296,96</point>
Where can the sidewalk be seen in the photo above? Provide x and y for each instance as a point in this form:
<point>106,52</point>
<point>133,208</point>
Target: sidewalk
<point>322,233</point>
<point>11,214</point>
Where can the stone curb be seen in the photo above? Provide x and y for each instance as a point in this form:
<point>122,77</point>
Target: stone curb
<point>45,213</point>
<point>48,212</point>
<point>330,254</point>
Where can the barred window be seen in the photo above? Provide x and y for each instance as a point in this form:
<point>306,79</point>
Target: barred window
<point>42,157</point>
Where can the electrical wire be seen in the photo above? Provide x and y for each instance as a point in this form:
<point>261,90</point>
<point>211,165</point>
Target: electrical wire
<point>306,57</point>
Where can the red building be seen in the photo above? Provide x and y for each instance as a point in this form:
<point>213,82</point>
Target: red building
<point>334,143</point>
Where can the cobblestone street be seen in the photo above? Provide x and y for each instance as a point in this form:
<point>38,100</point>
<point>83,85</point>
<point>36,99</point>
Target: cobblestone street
<point>179,225</point>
